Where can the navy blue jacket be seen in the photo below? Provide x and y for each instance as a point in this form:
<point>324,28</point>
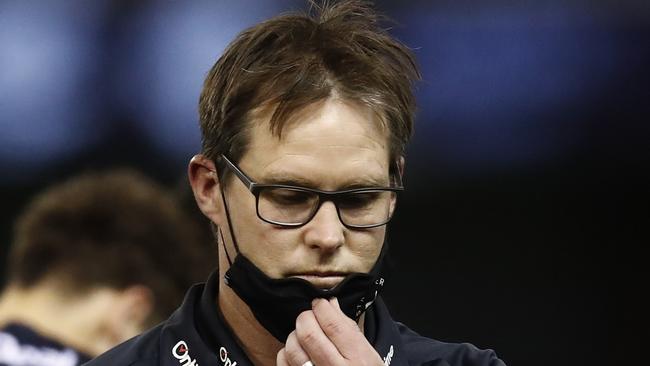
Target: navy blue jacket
<point>22,346</point>
<point>195,335</point>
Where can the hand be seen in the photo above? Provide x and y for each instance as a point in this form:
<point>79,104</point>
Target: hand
<point>325,336</point>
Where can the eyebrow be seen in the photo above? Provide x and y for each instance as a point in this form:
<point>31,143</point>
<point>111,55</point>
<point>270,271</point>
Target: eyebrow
<point>291,180</point>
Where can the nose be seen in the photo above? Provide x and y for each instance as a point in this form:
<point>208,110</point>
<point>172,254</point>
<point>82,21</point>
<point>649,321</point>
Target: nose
<point>325,231</point>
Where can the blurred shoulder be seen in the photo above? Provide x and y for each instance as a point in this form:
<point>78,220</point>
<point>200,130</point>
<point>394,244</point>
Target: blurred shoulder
<point>142,350</point>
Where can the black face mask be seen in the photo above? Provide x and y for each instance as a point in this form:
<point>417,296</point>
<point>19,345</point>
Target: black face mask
<point>276,303</point>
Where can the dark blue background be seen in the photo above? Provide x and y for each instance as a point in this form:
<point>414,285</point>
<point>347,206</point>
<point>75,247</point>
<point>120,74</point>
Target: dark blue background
<point>527,189</point>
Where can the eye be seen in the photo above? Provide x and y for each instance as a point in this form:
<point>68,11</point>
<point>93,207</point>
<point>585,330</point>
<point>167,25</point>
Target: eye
<point>284,196</point>
<point>359,199</point>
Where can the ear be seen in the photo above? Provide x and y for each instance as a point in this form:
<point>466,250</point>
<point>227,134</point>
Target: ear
<point>129,312</point>
<point>204,180</point>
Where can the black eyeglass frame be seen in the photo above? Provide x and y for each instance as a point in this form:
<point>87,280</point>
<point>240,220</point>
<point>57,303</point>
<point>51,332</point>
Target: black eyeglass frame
<point>323,196</point>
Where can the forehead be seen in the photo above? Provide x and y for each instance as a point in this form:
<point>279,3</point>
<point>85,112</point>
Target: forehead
<point>327,145</point>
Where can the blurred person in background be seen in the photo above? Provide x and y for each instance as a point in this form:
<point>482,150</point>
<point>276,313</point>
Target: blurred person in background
<point>95,260</point>
<point>305,120</point>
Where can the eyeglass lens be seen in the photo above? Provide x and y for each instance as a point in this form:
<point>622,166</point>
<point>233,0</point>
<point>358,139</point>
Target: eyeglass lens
<point>295,207</point>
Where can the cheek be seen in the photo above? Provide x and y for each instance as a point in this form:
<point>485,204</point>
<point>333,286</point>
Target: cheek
<point>272,248</point>
<point>366,246</point>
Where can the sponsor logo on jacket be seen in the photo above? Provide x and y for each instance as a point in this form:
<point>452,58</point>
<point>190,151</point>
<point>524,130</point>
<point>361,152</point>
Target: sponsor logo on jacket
<point>182,353</point>
<point>223,356</point>
<point>12,352</point>
<point>389,356</point>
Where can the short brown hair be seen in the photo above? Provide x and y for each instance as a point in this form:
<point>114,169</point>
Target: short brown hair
<point>115,228</point>
<point>294,60</point>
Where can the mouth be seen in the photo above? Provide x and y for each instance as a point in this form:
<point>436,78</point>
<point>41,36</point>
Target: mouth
<point>322,280</point>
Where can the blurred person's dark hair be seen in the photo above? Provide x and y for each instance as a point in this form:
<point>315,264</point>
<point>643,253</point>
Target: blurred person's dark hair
<point>114,229</point>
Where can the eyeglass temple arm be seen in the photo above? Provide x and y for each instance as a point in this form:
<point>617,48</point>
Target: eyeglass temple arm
<point>247,181</point>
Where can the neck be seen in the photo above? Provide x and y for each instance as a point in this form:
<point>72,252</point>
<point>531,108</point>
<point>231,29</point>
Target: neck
<point>66,318</point>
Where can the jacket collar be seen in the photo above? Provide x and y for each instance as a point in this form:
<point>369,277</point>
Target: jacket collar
<point>197,335</point>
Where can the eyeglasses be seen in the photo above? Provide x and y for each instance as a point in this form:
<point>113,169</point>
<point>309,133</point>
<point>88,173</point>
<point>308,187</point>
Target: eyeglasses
<point>293,206</point>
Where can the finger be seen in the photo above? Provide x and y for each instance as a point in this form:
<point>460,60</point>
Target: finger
<point>335,302</point>
<point>335,324</point>
<point>293,352</point>
<point>281,358</point>
<point>314,342</point>
<point>363,349</point>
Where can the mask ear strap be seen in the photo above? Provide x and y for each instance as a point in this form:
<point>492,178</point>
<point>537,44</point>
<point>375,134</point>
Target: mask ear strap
<point>232,233</point>
<point>224,248</point>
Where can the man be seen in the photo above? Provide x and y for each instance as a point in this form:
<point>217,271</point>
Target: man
<point>305,121</point>
<point>95,261</point>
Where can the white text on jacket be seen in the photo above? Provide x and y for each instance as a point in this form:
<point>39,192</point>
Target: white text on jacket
<point>182,354</point>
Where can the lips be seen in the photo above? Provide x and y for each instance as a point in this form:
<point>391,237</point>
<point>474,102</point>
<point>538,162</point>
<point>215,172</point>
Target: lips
<point>323,280</point>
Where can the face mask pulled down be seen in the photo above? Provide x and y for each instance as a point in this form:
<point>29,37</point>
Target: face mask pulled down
<point>276,303</point>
